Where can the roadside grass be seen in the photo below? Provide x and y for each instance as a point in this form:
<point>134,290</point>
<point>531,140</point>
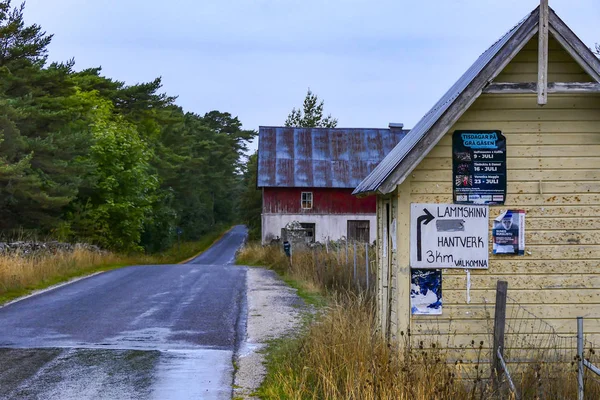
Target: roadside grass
<point>255,255</point>
<point>339,353</point>
<point>21,275</point>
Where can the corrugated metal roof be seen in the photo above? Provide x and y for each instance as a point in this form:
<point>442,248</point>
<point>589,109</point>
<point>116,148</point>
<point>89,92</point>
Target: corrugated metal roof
<point>321,157</point>
<point>372,182</point>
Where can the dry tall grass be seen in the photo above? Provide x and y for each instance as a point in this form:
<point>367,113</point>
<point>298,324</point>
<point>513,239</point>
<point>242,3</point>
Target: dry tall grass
<point>18,272</point>
<point>341,354</point>
<point>329,268</point>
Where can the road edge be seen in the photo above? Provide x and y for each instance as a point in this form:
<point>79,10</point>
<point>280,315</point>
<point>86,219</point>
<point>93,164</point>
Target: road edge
<point>274,310</point>
<point>50,288</point>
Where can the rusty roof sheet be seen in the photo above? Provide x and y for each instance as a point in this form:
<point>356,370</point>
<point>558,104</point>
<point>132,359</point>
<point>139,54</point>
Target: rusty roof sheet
<point>321,157</point>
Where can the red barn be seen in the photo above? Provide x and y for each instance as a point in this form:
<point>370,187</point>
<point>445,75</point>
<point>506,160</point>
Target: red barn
<point>308,175</point>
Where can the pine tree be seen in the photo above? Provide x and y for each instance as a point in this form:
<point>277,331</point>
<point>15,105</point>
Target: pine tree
<point>311,114</point>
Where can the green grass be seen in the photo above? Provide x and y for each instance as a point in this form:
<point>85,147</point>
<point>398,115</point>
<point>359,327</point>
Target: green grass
<point>278,353</point>
<point>307,292</point>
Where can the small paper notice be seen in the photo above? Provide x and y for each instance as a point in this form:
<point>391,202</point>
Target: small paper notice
<point>509,233</point>
<point>426,292</point>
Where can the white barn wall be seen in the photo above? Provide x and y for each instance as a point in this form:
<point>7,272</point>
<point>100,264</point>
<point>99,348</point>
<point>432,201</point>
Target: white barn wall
<point>327,226</point>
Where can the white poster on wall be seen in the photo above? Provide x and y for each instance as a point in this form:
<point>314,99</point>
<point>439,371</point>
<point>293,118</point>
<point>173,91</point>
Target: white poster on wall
<point>449,236</point>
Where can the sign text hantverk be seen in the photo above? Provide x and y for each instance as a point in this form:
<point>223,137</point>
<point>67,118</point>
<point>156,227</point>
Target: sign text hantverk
<point>448,236</point>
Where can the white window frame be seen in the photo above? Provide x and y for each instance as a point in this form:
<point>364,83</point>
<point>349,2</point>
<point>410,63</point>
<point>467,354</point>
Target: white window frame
<point>306,197</point>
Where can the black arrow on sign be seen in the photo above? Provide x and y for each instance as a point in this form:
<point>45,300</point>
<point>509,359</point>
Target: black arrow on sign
<point>425,219</point>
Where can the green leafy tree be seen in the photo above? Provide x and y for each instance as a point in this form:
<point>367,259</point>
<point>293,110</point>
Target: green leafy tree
<point>86,157</point>
<point>311,114</point>
<point>112,210</point>
<point>19,44</point>
<point>41,143</point>
<point>251,199</point>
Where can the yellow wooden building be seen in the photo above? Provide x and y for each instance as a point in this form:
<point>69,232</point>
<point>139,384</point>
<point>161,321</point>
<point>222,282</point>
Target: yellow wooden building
<point>553,173</point>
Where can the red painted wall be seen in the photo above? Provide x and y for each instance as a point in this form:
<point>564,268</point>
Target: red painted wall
<point>325,201</point>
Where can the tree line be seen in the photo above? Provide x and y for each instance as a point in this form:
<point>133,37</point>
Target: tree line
<point>84,157</point>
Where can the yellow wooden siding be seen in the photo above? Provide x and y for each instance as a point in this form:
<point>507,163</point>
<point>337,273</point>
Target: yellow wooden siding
<point>561,67</point>
<point>380,279</point>
<point>553,159</point>
<point>394,327</point>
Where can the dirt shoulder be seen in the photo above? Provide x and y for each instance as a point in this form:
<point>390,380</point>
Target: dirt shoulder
<point>274,309</point>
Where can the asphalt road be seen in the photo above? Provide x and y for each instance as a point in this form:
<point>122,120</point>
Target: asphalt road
<point>141,332</point>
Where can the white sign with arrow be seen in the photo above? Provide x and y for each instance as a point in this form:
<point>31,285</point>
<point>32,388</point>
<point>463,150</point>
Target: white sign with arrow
<point>449,236</point>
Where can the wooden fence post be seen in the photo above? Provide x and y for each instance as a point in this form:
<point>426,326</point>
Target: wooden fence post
<point>499,326</point>
<point>346,252</point>
<point>354,274</point>
<point>580,366</point>
<point>367,264</point>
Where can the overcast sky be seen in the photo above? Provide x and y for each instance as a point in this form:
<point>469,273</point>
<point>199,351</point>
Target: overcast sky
<point>373,62</point>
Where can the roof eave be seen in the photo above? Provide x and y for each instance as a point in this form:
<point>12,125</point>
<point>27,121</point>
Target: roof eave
<point>574,46</point>
<point>459,105</point>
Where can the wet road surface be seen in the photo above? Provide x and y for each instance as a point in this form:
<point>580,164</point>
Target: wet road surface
<point>141,332</point>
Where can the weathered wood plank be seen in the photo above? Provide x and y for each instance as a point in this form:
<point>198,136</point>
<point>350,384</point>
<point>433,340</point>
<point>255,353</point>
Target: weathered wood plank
<point>532,87</point>
<point>528,102</point>
<point>548,163</point>
<point>553,77</point>
<point>529,55</point>
<point>559,311</point>
<point>516,266</point>
<point>529,115</point>
<point>518,343</point>
<point>499,328</point>
<point>545,187</point>
<point>516,175</point>
<point>542,139</point>
<point>519,200</point>
<point>562,223</point>
<point>402,207</point>
<point>563,211</point>
<point>542,82</point>
<point>524,66</point>
<point>534,151</point>
<point>428,325</point>
<point>424,326</point>
<point>562,237</point>
<point>559,237</point>
<point>536,296</point>
<point>536,126</point>
<point>516,282</point>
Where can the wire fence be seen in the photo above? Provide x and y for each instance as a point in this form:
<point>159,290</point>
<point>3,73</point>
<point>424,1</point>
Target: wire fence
<point>528,337</point>
<point>535,361</point>
<point>337,264</point>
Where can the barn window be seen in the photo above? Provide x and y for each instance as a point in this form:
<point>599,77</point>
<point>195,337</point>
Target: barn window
<point>307,200</point>
<point>358,231</point>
